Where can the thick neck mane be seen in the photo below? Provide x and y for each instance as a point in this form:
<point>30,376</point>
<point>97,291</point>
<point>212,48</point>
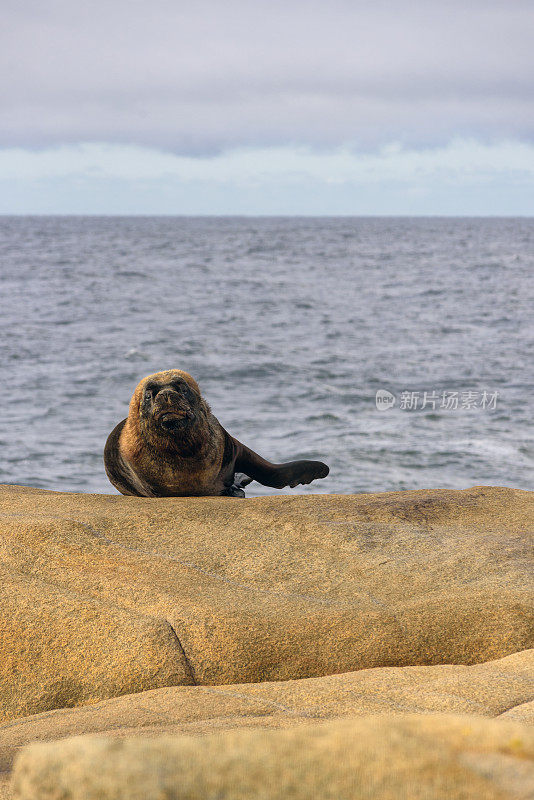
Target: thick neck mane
<point>139,440</point>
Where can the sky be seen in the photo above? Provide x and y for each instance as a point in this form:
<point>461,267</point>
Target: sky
<point>248,107</point>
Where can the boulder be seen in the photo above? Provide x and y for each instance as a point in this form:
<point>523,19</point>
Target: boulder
<point>5,786</point>
<point>60,649</point>
<point>502,689</point>
<point>103,595</point>
<point>411,757</point>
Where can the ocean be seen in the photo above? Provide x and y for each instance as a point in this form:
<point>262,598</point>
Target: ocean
<point>291,326</point>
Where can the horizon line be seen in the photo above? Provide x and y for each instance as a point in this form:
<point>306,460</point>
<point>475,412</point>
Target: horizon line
<point>4,215</point>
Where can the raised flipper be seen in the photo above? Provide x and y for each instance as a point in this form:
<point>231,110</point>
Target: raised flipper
<point>277,476</point>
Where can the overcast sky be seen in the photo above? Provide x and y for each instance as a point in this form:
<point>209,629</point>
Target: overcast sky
<point>267,107</point>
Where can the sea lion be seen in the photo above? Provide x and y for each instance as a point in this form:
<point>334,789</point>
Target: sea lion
<point>171,445</point>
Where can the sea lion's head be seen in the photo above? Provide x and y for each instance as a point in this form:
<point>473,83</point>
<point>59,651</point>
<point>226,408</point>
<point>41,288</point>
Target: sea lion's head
<point>168,407</point>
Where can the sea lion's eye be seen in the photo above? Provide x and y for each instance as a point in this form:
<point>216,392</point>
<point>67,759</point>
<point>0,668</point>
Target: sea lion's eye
<point>183,388</point>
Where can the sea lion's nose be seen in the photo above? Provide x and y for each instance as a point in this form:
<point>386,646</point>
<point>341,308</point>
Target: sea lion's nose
<point>168,396</point>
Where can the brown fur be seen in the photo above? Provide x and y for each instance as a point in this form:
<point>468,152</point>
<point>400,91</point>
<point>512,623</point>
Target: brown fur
<point>160,459</point>
<point>172,445</point>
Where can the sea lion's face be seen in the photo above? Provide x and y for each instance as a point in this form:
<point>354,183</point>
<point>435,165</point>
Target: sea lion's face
<point>167,403</point>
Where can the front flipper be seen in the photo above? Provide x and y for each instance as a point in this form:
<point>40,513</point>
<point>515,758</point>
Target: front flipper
<point>277,476</point>
<point>237,487</point>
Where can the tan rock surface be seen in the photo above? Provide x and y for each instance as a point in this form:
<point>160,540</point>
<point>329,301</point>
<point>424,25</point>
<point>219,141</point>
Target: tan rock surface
<point>405,757</point>
<point>495,689</point>
<point>61,649</point>
<point>101,593</point>
<point>521,713</point>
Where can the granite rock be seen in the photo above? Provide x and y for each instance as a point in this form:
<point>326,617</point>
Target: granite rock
<point>402,757</point>
<point>104,595</point>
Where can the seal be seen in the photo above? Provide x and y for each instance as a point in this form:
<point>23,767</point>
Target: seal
<point>171,445</point>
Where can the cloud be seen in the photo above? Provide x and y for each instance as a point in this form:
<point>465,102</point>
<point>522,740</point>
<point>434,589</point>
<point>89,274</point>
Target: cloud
<point>460,162</point>
<point>207,77</point>
<point>463,177</point>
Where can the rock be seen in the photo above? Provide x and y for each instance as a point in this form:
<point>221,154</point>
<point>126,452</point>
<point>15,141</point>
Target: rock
<point>521,713</point>
<point>104,595</point>
<point>502,688</point>
<point>376,758</point>
<point>59,648</point>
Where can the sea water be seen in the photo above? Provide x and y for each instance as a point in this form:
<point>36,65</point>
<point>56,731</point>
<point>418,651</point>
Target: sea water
<point>291,326</point>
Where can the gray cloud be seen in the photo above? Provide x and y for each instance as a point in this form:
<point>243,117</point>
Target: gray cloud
<point>203,77</point>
